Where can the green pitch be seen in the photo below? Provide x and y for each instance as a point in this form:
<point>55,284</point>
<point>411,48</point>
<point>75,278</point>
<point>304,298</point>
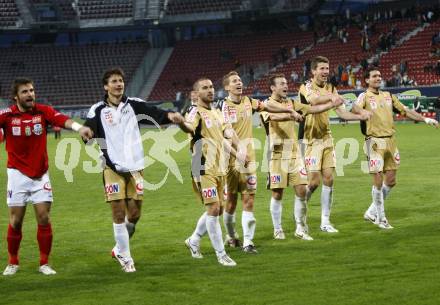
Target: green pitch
<point>359,265</point>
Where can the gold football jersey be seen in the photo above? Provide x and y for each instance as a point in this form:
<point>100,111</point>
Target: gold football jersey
<point>382,105</point>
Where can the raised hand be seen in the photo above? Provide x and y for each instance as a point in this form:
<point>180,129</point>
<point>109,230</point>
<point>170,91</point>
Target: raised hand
<point>86,133</point>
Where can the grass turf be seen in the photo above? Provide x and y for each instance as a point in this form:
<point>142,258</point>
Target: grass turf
<point>359,265</point>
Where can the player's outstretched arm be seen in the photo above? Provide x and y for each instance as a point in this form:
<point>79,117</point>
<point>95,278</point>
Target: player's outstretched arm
<point>413,115</point>
<point>349,116</point>
<point>356,109</point>
<point>322,99</point>
<point>280,117</point>
<point>85,132</point>
<point>186,127</point>
<point>274,108</point>
<point>324,107</point>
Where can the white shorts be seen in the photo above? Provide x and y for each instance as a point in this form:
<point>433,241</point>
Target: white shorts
<point>22,189</point>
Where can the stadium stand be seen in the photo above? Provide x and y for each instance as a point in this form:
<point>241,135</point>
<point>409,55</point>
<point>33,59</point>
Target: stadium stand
<point>217,56</point>
<point>94,9</point>
<point>184,65</point>
<point>181,7</point>
<point>67,9</point>
<point>68,75</point>
<point>8,13</point>
<point>337,52</point>
<point>416,51</point>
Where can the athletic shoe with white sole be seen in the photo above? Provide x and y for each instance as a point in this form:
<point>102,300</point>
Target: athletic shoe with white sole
<point>329,229</point>
<point>250,249</point>
<point>384,224</point>
<point>225,260</point>
<point>302,233</point>
<point>126,262</point>
<point>46,270</point>
<point>129,266</point>
<point>369,216</point>
<point>11,269</point>
<point>194,249</point>
<point>279,234</point>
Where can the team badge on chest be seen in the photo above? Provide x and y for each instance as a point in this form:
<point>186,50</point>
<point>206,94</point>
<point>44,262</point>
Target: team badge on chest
<point>16,131</point>
<point>28,131</point>
<point>38,129</point>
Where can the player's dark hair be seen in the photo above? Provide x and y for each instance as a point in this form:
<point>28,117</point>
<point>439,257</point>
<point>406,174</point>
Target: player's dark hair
<point>196,83</point>
<point>273,77</point>
<point>368,71</point>
<point>317,60</point>
<point>19,81</point>
<point>113,71</point>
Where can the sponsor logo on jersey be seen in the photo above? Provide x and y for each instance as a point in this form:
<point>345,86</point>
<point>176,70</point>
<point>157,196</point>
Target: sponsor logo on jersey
<point>16,130</point>
<point>38,129</point>
<point>9,193</point>
<point>207,120</point>
<point>36,119</point>
<point>375,163</point>
<point>303,172</point>
<point>3,111</point>
<point>232,114</point>
<point>16,121</point>
<point>191,115</point>
<point>308,88</point>
<point>251,182</point>
<point>225,112</point>
<point>397,157</point>
<point>311,161</point>
<point>27,131</point>
<point>360,98</point>
<point>275,178</point>
<point>112,188</point>
<point>209,192</point>
<point>108,116</point>
<point>388,100</point>
<point>140,188</point>
<point>248,108</point>
<point>47,187</point>
<point>373,104</point>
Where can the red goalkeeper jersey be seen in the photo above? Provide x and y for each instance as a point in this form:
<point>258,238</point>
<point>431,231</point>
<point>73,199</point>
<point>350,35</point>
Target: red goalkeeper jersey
<point>26,140</point>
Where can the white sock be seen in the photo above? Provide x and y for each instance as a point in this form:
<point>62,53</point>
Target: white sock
<point>326,204</point>
<point>300,211</point>
<point>229,222</point>
<point>200,230</point>
<point>215,234</point>
<point>372,208</point>
<point>308,193</point>
<point>276,208</point>
<point>121,238</point>
<point>130,227</point>
<point>378,202</point>
<point>386,191</point>
<point>248,223</point>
